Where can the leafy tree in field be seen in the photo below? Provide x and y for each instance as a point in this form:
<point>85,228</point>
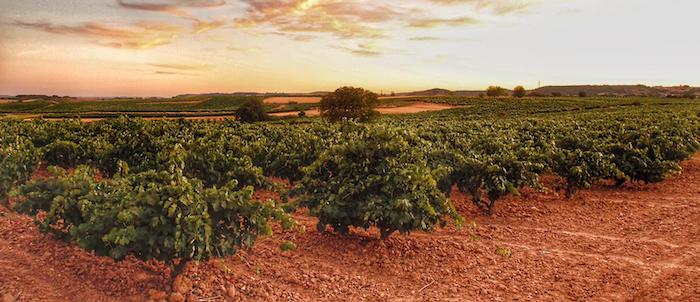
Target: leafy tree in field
<point>496,91</point>
<point>519,92</point>
<point>376,179</point>
<point>252,111</point>
<point>349,103</point>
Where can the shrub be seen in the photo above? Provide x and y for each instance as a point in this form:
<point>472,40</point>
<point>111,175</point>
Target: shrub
<point>376,178</point>
<point>63,153</point>
<point>519,92</point>
<point>582,94</point>
<point>218,161</point>
<point>18,161</point>
<point>496,91</point>
<point>581,169</point>
<point>38,194</point>
<point>160,215</point>
<point>252,111</point>
<point>349,103</point>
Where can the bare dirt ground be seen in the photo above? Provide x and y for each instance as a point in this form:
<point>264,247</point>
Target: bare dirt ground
<point>296,99</point>
<point>415,107</point>
<point>636,243</point>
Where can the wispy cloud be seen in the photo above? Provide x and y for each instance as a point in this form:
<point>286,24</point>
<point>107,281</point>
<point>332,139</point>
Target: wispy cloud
<point>344,19</point>
<point>143,35</point>
<point>179,69</point>
<point>424,38</point>
<point>162,72</point>
<point>434,22</point>
<point>498,7</point>
<point>178,8</point>
<point>300,20</point>
<point>182,67</point>
<point>367,49</point>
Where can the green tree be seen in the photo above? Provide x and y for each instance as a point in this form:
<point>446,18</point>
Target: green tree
<point>519,92</point>
<point>349,103</point>
<point>252,111</point>
<point>495,91</point>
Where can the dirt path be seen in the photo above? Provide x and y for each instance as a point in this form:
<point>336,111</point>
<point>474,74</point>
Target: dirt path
<point>636,243</point>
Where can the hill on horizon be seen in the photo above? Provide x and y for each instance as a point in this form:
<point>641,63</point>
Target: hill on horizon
<point>574,90</point>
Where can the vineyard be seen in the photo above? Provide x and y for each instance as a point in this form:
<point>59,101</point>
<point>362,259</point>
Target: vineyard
<point>179,191</point>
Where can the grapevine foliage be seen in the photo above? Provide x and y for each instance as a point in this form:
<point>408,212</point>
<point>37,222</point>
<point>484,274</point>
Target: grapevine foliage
<point>18,161</point>
<point>374,179</point>
<point>161,215</point>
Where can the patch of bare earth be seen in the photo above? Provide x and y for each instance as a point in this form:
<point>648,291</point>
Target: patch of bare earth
<point>636,243</point>
<point>414,107</point>
<point>293,99</point>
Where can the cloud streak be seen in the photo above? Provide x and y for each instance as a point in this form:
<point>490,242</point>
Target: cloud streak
<point>434,22</point>
<point>299,20</point>
<point>178,8</point>
<point>141,35</point>
<point>181,67</point>
<point>343,19</point>
<point>498,7</point>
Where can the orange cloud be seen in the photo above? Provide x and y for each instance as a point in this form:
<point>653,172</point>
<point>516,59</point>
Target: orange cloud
<point>137,36</point>
<point>498,7</point>
<point>434,22</point>
<point>177,8</point>
<point>344,19</point>
<point>363,49</point>
<point>185,67</point>
<point>167,6</point>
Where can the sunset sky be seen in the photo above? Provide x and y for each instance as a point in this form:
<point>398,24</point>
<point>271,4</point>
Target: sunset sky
<point>169,47</point>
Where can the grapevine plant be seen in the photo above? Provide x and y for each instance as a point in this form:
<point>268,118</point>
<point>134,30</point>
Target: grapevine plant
<point>376,178</point>
<point>160,215</point>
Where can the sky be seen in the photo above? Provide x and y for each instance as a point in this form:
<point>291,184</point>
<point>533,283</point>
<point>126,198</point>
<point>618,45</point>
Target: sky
<point>171,47</point>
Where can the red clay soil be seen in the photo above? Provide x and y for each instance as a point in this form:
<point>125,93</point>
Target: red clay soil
<point>636,243</point>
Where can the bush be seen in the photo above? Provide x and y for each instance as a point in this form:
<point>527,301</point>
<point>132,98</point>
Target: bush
<point>218,161</point>
<point>496,91</point>
<point>39,194</point>
<point>519,92</point>
<point>18,161</point>
<point>160,215</point>
<point>349,103</point>
<point>63,153</point>
<point>376,179</point>
<point>582,94</point>
<point>252,111</point>
<point>582,169</point>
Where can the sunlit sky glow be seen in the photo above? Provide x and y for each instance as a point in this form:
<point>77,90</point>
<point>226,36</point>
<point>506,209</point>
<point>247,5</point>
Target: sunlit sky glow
<point>169,47</point>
